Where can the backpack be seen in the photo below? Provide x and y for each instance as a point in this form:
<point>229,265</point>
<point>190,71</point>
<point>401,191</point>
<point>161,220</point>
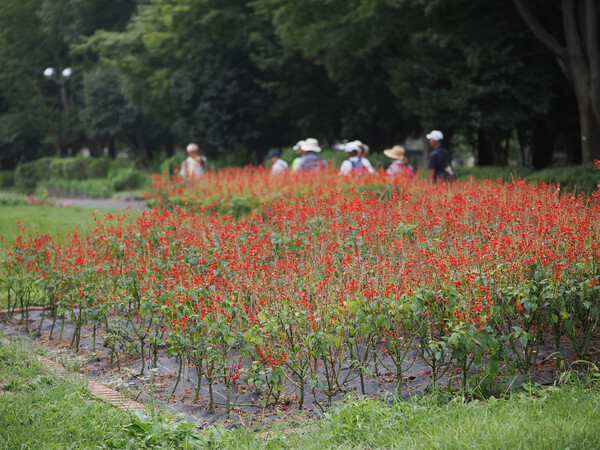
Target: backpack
<point>407,171</point>
<point>358,166</point>
<point>311,162</point>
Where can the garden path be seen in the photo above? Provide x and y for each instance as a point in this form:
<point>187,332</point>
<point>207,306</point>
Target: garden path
<point>120,204</point>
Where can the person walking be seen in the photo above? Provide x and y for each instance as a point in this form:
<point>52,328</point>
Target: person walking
<point>440,159</point>
<point>399,166</point>
<point>308,159</point>
<point>355,164</point>
<point>278,165</point>
<point>193,166</point>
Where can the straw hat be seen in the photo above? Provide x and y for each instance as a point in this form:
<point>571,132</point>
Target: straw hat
<point>396,152</point>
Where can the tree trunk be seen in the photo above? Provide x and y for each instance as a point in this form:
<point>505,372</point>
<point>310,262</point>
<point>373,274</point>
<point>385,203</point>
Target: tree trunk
<point>542,147</point>
<point>590,132</point>
<point>579,59</point>
<point>485,151</point>
<point>490,150</point>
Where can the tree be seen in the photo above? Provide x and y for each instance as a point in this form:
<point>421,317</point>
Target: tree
<point>406,65</point>
<point>185,63</point>
<point>352,41</point>
<point>23,113</point>
<point>579,59</point>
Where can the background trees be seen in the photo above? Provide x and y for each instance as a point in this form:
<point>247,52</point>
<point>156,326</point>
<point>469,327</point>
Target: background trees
<point>240,77</point>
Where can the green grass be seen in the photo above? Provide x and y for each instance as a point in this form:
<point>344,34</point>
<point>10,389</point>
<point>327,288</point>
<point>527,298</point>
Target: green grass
<point>550,418</point>
<point>46,219</point>
<point>40,410</point>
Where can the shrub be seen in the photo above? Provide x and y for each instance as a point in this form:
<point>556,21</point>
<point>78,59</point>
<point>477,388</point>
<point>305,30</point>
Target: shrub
<point>28,174</point>
<point>98,167</point>
<point>171,164</point>
<point>580,179</point>
<point>119,164</point>
<point>93,187</point>
<point>127,179</point>
<point>492,172</point>
<point>9,199</point>
<point>69,168</point>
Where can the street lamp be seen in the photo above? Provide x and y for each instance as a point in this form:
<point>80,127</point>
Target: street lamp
<point>60,79</point>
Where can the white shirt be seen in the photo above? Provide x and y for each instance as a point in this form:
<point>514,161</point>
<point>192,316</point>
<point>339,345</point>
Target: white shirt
<point>191,168</point>
<point>346,167</point>
<point>279,166</point>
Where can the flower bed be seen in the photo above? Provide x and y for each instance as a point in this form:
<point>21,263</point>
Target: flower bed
<point>317,290</point>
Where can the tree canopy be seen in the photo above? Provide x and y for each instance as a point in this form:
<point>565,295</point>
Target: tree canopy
<point>243,76</point>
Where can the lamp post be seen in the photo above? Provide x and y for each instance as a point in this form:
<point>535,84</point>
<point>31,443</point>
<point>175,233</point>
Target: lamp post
<point>60,78</point>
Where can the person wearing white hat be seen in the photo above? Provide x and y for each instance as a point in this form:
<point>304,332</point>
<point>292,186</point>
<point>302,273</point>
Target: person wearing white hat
<point>399,166</point>
<point>355,164</point>
<point>299,152</point>
<point>440,160</point>
<point>193,166</point>
<point>308,159</point>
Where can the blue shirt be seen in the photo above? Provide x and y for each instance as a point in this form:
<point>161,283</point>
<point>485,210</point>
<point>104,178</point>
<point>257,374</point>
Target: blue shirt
<point>439,159</point>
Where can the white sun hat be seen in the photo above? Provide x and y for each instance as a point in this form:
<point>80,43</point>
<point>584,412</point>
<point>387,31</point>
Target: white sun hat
<point>310,145</point>
<point>351,147</point>
<point>192,147</point>
<point>435,135</point>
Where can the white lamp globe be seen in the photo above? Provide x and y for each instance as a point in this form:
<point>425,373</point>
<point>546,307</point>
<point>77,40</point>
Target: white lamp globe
<point>49,72</point>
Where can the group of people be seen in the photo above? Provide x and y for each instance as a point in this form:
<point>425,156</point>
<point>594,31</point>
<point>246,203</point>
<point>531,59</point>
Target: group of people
<point>440,168</point>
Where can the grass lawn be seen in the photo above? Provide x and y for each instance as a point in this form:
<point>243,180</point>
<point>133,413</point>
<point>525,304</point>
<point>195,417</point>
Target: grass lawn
<point>50,220</point>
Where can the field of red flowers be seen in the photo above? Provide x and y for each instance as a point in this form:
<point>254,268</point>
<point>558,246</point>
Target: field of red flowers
<point>318,283</point>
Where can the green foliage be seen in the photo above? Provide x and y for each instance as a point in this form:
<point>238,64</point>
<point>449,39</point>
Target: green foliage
<point>32,399</point>
<point>105,114</point>
<point>24,114</point>
<point>69,168</point>
<point>10,199</point>
<point>171,164</point>
<point>160,431</point>
<point>580,179</point>
<point>91,187</point>
<point>492,172</point>
<point>541,418</point>
<point>252,75</point>
<point>28,174</point>
<point>129,179</point>
<point>7,178</point>
<point>216,101</point>
<point>98,167</point>
<point>93,177</point>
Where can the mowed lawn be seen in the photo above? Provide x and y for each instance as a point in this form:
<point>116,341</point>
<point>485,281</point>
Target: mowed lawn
<point>49,220</point>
